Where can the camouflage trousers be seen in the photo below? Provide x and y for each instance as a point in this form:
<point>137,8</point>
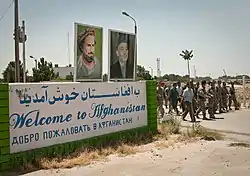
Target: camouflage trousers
<point>224,102</point>
<point>220,104</point>
<point>211,109</point>
<point>160,109</point>
<point>195,106</point>
<point>232,98</point>
<point>170,107</point>
<point>215,105</point>
<point>201,108</point>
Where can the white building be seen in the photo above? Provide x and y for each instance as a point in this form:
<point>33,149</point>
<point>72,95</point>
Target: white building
<point>62,72</point>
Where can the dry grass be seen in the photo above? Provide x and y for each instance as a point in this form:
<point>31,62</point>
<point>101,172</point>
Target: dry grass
<point>239,144</point>
<point>81,157</point>
<point>199,131</point>
<point>86,157</point>
<point>172,126</point>
<point>169,133</point>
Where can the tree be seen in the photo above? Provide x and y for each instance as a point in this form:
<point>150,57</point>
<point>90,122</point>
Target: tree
<point>9,72</point>
<point>187,56</point>
<point>142,73</point>
<point>44,72</point>
<point>69,77</point>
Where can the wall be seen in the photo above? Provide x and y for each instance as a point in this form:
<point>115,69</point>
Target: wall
<point>8,160</point>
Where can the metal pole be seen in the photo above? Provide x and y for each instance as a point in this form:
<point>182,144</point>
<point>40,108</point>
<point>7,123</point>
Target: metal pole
<point>24,62</point>
<point>68,48</point>
<point>17,35</point>
<point>135,52</point>
<point>244,92</point>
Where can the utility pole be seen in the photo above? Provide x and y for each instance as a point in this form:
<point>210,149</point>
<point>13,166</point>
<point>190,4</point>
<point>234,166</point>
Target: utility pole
<point>23,38</point>
<point>68,48</point>
<point>244,88</point>
<point>17,35</point>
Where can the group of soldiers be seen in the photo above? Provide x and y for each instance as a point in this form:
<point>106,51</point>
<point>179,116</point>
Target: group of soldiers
<point>214,97</point>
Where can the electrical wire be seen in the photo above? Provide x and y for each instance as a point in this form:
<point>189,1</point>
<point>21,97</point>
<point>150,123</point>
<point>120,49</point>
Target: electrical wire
<point>6,11</point>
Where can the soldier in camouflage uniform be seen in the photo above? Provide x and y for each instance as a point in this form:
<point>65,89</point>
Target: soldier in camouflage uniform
<point>211,92</point>
<point>168,99</point>
<point>195,89</point>
<point>225,94</point>
<point>202,95</point>
<point>219,96</point>
<point>233,97</point>
<point>215,97</point>
<point>166,92</point>
<point>160,99</point>
<point>194,103</point>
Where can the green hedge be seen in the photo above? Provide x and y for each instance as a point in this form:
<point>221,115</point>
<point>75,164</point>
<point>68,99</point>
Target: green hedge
<point>8,160</point>
<point>4,126</point>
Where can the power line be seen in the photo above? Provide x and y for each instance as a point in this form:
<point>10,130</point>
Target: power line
<point>1,18</point>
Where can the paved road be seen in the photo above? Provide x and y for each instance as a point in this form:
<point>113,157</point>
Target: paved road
<point>235,123</point>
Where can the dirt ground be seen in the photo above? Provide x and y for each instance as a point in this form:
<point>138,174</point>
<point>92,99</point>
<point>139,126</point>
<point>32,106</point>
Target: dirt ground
<point>204,158</point>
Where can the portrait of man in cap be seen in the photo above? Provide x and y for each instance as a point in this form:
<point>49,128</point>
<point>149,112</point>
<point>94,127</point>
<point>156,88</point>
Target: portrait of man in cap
<point>122,56</point>
<point>88,65</point>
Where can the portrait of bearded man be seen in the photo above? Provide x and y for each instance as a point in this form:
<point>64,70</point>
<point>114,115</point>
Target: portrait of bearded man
<point>88,65</point>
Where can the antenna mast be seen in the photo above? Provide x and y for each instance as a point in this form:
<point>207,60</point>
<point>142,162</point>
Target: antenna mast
<point>68,48</point>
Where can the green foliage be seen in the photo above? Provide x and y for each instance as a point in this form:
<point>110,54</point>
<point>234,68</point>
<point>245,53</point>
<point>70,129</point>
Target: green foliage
<point>44,72</point>
<point>187,55</point>
<point>70,77</point>
<point>174,77</point>
<point>233,77</point>
<point>143,74</point>
<point>9,72</point>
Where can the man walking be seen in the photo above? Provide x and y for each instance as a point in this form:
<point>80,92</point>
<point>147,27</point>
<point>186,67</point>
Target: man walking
<point>202,95</point>
<point>233,97</point>
<point>211,99</point>
<point>196,89</point>
<point>215,104</point>
<point>219,96</point>
<point>180,92</point>
<point>225,94</point>
<point>174,98</point>
<point>188,97</point>
<point>160,98</point>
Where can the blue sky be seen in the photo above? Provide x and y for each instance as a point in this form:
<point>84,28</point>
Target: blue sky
<point>217,30</point>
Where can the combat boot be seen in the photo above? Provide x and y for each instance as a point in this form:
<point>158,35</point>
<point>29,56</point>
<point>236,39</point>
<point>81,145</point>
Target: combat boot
<point>212,117</point>
<point>204,117</point>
